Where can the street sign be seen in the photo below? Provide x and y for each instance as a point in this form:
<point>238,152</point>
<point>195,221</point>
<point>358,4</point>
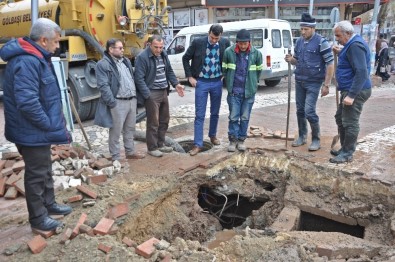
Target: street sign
<point>335,15</point>
<point>357,21</point>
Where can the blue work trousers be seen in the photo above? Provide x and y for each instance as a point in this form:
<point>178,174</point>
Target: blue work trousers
<point>306,96</point>
<point>239,116</point>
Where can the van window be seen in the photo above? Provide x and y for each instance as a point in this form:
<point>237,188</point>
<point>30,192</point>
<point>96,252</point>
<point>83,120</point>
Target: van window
<point>287,38</point>
<point>177,46</point>
<point>193,37</point>
<point>256,37</point>
<point>276,38</point>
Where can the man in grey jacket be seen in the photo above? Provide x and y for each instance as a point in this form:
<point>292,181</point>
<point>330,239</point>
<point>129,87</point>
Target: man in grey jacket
<point>117,106</point>
<point>153,74</point>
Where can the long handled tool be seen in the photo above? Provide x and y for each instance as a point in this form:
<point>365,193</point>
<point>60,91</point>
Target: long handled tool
<point>77,117</point>
<point>335,139</point>
<point>289,98</point>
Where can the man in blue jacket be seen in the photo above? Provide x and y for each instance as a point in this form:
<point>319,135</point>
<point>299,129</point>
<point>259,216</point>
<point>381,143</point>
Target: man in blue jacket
<point>34,118</point>
<point>314,70</point>
<point>205,73</point>
<point>152,75</point>
<point>352,75</point>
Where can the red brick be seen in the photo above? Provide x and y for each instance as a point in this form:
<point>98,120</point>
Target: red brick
<point>11,193</point>
<point>127,241</point>
<point>104,248</point>
<point>73,153</point>
<point>113,230</point>
<point>102,163</point>
<point>2,164</point>
<point>81,221</point>
<point>74,198</point>
<point>103,227</point>
<point>97,179</point>
<point>37,244</point>
<point>6,171</point>
<point>9,163</point>
<point>2,185</point>
<point>78,172</point>
<point>18,166</point>
<point>55,158</point>
<point>12,179</point>
<point>20,186</point>
<point>10,155</point>
<point>85,229</point>
<point>44,234</point>
<point>147,248</point>
<point>118,210</point>
<point>167,258</point>
<point>87,191</point>
<point>132,198</point>
<point>65,235</point>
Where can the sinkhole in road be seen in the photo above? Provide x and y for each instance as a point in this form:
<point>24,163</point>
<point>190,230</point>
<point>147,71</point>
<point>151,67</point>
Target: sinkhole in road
<point>231,211</point>
<point>187,145</point>
<point>311,222</point>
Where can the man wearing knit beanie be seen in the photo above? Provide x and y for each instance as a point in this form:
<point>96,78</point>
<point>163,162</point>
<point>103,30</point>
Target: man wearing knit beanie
<point>313,59</point>
<point>241,68</point>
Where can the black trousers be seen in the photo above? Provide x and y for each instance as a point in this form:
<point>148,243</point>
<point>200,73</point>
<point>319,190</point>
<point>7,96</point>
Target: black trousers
<point>39,188</point>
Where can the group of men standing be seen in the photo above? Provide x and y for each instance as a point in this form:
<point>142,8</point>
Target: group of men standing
<point>33,111</point>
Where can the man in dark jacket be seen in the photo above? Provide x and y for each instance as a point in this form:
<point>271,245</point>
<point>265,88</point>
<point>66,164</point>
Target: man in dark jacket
<point>34,118</point>
<point>352,75</point>
<point>153,74</point>
<point>314,70</point>
<point>205,73</point>
<point>241,66</point>
<point>117,106</point>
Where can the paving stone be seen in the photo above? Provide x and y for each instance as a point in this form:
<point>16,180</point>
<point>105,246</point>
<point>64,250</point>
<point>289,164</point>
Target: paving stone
<point>2,185</point>
<point>85,229</point>
<point>7,171</point>
<point>20,186</point>
<point>13,179</point>
<point>10,155</point>
<point>18,166</point>
<point>97,179</point>
<point>130,243</point>
<point>102,163</point>
<point>287,220</point>
<point>2,164</point>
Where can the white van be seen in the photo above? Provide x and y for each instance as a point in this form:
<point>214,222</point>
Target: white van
<point>272,37</point>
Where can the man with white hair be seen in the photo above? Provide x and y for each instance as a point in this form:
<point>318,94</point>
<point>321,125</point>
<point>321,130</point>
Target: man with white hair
<point>352,75</point>
<point>33,117</point>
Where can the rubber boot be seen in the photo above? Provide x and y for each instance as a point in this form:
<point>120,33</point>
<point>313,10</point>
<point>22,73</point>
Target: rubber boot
<point>341,138</point>
<point>301,140</point>
<point>348,149</point>
<point>315,137</point>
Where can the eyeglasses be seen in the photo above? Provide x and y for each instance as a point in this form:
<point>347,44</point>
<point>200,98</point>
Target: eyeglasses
<point>118,47</point>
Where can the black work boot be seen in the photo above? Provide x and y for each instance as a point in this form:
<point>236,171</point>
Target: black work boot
<point>315,137</point>
<point>341,138</point>
<point>301,140</point>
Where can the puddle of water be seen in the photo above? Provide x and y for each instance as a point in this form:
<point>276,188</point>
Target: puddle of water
<point>221,236</point>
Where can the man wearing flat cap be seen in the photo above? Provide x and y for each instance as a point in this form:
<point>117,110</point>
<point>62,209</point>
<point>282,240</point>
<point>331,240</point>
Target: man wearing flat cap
<point>313,59</point>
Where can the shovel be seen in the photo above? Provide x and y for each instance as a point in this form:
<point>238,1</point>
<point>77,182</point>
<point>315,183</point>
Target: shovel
<point>335,139</point>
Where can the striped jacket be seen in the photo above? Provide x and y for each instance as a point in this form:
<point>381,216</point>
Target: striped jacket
<point>253,73</point>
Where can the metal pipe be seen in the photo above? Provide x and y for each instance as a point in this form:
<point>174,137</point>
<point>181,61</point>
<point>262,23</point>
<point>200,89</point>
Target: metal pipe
<point>311,7</point>
<point>276,9</point>
<point>87,37</point>
<point>34,13</point>
<point>74,16</point>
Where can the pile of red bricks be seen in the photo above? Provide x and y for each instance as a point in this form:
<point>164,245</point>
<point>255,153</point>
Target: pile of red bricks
<point>12,169</point>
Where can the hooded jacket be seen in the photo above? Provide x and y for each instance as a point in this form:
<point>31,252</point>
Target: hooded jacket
<point>32,98</point>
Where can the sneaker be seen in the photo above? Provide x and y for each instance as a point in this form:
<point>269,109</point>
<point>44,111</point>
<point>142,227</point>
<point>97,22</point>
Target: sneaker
<point>214,141</point>
<point>195,150</point>
<point>155,153</point>
<point>165,149</point>
<point>241,146</point>
<point>56,209</point>
<point>48,224</point>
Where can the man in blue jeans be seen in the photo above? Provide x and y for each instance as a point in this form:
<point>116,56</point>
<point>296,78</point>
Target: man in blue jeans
<point>352,75</point>
<point>314,70</point>
<point>241,67</point>
<point>205,73</point>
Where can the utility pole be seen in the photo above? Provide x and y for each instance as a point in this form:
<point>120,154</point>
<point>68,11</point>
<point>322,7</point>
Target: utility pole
<point>311,7</point>
<point>373,35</point>
<point>276,9</point>
<point>34,13</point>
